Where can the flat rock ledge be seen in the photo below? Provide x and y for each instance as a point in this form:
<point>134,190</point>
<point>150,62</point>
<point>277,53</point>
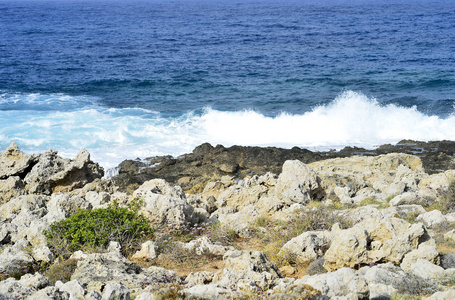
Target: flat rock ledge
<point>391,247</point>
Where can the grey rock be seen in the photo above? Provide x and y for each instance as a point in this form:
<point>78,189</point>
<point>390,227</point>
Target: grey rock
<point>97,270</point>
<point>432,218</point>
<point>35,281</point>
<point>446,295</point>
<point>163,202</point>
<point>12,258</point>
<point>241,220</point>
<point>256,261</point>
<point>448,261</point>
<point>116,291</point>
<point>49,293</point>
<point>204,245</point>
<point>341,283</point>
<point>211,291</point>
<point>148,251</point>
<point>53,174</point>
<point>93,295</point>
<point>14,162</point>
<point>425,269</point>
<point>12,289</point>
<point>28,203</point>
<point>97,199</point>
<point>73,287</point>
<point>203,277</point>
<point>10,188</point>
<point>309,245</point>
<point>297,183</point>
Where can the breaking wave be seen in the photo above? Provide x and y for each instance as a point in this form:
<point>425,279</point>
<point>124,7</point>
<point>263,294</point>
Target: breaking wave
<point>114,134</point>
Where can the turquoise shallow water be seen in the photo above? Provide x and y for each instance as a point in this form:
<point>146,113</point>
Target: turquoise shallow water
<point>128,79</point>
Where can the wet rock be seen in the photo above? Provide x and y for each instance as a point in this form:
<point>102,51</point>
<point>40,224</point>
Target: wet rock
<point>208,163</point>
<point>205,163</point>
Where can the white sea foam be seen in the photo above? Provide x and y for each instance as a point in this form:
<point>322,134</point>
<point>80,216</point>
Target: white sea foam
<point>112,135</point>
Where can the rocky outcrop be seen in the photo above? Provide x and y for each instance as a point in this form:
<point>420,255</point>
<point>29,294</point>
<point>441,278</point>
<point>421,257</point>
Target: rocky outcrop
<point>383,248</point>
<point>52,173</point>
<point>342,283</point>
<point>46,173</point>
<point>309,245</point>
<point>298,183</point>
<point>163,203</point>
<point>98,269</point>
<point>372,241</point>
<point>390,174</point>
<point>208,163</point>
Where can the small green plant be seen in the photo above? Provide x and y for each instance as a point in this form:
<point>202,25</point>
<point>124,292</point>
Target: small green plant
<point>94,229</point>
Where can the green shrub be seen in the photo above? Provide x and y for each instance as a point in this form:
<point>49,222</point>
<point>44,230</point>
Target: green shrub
<point>94,229</point>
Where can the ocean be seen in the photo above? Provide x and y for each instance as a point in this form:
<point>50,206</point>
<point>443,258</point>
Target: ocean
<point>135,79</point>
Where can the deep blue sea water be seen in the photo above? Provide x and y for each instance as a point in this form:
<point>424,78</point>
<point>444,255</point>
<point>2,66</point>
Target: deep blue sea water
<point>127,79</point>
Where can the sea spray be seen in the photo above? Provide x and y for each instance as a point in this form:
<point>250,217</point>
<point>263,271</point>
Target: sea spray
<point>114,134</point>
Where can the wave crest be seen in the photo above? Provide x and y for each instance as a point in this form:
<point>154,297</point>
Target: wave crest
<point>112,135</point>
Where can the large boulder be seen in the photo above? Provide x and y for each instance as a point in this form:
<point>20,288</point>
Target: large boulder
<point>98,269</point>
<point>14,162</point>
<point>384,280</point>
<point>341,283</point>
<point>51,173</point>
<point>163,202</point>
<point>309,245</point>
<point>246,192</point>
<point>373,241</point>
<point>389,174</point>
<point>247,270</point>
<point>239,221</point>
<point>298,183</point>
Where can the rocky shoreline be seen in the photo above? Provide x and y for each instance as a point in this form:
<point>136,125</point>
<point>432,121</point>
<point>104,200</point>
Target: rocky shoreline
<point>207,162</point>
<point>238,223</point>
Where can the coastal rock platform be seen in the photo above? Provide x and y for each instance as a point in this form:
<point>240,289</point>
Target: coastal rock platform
<point>236,223</point>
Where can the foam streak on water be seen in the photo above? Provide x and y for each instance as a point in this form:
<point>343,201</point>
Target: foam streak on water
<point>113,134</point>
